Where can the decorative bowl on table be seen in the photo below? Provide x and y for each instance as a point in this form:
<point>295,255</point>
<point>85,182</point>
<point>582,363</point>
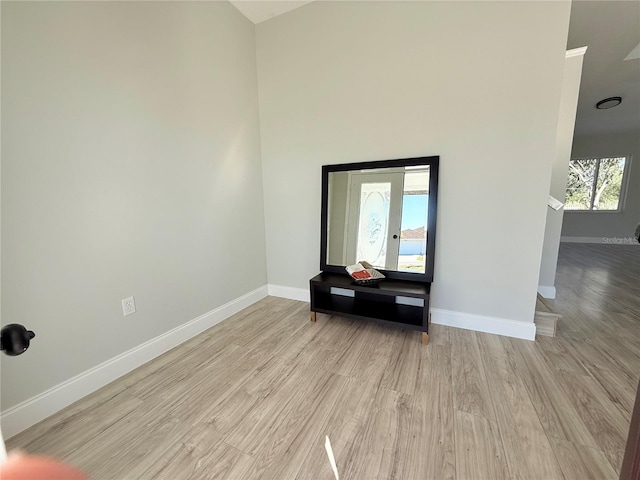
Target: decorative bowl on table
<point>363,273</point>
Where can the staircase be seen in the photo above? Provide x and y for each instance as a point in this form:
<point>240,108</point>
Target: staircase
<point>546,318</point>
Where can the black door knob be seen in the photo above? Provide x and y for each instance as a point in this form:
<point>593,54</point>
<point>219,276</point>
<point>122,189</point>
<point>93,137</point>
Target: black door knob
<point>395,236</point>
<point>15,339</point>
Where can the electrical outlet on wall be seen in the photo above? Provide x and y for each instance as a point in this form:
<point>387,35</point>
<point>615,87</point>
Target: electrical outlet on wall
<point>128,306</point>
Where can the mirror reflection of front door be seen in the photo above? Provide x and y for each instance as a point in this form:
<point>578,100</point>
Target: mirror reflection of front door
<point>374,219</point>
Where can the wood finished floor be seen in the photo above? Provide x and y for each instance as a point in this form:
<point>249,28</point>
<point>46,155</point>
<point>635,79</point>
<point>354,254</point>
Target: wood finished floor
<point>255,396</point>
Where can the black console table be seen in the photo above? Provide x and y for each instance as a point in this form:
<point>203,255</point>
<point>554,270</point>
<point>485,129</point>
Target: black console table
<point>382,303</point>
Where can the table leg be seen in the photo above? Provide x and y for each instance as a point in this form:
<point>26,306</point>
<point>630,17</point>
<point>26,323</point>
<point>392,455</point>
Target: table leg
<point>313,316</point>
<point>425,338</point>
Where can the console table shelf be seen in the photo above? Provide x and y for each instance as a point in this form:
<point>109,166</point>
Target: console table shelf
<point>397,303</point>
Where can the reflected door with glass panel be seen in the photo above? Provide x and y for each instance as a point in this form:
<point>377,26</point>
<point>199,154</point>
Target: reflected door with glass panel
<point>386,217</point>
<point>372,233</point>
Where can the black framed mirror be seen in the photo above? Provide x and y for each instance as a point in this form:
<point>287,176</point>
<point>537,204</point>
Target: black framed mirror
<point>383,212</point>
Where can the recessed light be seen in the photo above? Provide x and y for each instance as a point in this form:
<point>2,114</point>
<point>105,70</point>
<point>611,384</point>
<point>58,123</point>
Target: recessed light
<point>608,103</point>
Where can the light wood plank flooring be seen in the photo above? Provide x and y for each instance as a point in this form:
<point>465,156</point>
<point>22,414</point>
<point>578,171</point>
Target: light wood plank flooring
<point>255,396</point>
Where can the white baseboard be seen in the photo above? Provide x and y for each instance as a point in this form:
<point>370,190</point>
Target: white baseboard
<point>291,293</point>
<point>547,291</point>
<point>499,326</point>
<point>581,239</point>
<point>22,416</point>
<point>480,323</point>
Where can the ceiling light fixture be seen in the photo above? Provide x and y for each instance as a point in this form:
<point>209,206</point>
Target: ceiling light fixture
<point>608,103</point>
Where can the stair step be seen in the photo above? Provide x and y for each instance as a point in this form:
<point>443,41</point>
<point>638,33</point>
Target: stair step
<point>545,319</point>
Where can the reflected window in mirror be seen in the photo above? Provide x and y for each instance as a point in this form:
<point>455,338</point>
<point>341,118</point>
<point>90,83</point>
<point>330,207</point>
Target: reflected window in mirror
<point>413,230</point>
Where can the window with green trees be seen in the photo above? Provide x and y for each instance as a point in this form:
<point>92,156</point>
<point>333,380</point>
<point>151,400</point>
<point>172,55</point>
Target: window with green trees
<point>595,184</point>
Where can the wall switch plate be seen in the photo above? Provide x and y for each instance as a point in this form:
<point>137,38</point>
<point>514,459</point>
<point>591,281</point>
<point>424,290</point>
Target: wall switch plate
<point>128,306</point>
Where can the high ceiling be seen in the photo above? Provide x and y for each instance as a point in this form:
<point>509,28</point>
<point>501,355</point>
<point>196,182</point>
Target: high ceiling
<point>609,28</point>
<point>260,10</point>
<point>611,31</point>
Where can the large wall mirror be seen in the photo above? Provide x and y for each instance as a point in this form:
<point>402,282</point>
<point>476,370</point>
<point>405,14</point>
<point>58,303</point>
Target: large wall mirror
<point>383,212</point>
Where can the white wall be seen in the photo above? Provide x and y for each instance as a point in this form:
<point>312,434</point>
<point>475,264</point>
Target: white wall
<point>130,166</point>
<point>477,83</point>
<point>338,198</point>
<point>597,226</point>
<point>560,170</point>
